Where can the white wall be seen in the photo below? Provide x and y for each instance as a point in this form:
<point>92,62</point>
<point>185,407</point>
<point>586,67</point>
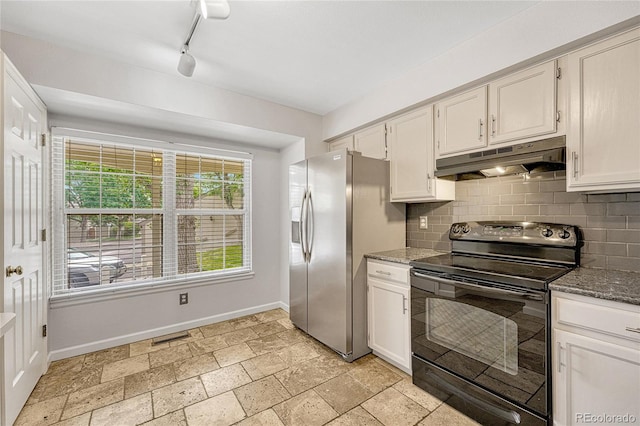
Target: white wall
<point>80,328</point>
<point>48,65</point>
<point>545,26</point>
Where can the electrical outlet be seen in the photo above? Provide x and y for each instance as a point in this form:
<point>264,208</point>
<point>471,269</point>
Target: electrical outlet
<point>423,222</point>
<point>184,298</point>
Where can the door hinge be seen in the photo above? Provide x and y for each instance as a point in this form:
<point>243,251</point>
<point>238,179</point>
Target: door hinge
<point>558,73</point>
<point>43,235</point>
<point>438,113</point>
<point>43,139</point>
<point>558,116</point>
<point>44,330</point>
<point>386,130</point>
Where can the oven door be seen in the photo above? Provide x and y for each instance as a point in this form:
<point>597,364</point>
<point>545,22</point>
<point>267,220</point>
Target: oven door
<point>492,337</point>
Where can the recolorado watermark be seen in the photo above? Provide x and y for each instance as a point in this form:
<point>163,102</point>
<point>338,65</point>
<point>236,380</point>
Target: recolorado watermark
<point>587,418</point>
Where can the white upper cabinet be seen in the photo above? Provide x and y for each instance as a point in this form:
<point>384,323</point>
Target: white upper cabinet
<point>411,156</point>
<point>461,122</point>
<point>345,142</point>
<point>603,138</point>
<point>371,142</point>
<point>523,104</point>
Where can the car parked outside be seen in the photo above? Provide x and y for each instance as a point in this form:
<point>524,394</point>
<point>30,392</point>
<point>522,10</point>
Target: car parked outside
<point>85,269</point>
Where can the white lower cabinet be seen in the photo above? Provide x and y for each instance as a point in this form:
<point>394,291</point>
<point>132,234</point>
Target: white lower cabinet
<point>596,361</point>
<point>389,312</point>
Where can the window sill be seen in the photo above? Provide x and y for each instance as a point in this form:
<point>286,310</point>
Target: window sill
<point>133,290</point>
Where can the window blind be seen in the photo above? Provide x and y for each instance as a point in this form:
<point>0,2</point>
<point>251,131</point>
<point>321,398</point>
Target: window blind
<point>128,213</point>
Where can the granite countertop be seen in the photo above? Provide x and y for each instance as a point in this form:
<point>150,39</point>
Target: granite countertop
<point>618,286</point>
<point>403,255</point>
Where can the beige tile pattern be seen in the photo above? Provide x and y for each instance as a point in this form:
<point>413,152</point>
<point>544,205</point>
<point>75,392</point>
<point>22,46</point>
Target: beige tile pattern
<point>265,418</point>
<point>254,370</point>
<point>195,366</point>
<point>81,420</point>
<point>176,418</point>
<point>125,367</point>
<point>131,411</point>
<point>94,397</point>
<point>225,379</point>
<point>221,410</point>
<point>148,380</point>
<point>42,413</point>
<point>178,395</point>
<point>393,408</point>
<point>356,417</point>
<point>307,409</point>
<point>260,395</point>
<point>169,355</point>
<point>233,354</point>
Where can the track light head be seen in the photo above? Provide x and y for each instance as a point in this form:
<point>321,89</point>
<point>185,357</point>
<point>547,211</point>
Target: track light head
<point>214,9</point>
<point>187,63</point>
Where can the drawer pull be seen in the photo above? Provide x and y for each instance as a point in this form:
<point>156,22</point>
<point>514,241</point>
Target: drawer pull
<point>633,330</point>
<point>383,273</point>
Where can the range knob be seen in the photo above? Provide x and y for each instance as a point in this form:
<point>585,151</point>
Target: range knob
<point>456,228</point>
<point>466,228</point>
<point>547,232</point>
<point>564,234</point>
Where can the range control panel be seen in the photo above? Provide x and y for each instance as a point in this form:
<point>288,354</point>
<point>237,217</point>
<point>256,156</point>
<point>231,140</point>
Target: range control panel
<point>516,232</point>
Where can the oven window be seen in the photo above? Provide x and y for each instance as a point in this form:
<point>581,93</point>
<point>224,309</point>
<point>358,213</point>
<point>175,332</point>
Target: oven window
<point>477,333</point>
<point>497,342</point>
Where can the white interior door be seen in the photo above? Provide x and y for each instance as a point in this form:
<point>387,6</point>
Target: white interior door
<point>24,354</point>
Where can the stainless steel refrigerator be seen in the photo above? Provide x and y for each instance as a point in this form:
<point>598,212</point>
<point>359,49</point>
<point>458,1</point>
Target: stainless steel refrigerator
<point>339,210</point>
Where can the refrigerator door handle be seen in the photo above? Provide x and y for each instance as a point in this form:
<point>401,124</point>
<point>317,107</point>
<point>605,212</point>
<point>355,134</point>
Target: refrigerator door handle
<point>310,222</point>
<point>302,226</point>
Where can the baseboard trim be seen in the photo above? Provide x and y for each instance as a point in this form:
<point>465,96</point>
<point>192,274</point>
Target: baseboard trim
<point>148,334</point>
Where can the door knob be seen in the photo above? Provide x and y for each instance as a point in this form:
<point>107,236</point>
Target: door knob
<point>17,270</point>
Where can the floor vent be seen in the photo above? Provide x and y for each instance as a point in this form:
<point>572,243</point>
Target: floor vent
<point>169,337</point>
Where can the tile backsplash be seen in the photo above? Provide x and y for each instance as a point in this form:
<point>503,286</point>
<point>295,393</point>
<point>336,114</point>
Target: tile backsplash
<point>610,222</point>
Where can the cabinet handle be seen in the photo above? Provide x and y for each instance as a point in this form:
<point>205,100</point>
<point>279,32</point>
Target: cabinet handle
<point>480,124</point>
<point>558,350</point>
<point>383,273</point>
<point>633,330</point>
<point>574,162</point>
<point>493,125</point>
<point>429,182</point>
<point>404,305</point>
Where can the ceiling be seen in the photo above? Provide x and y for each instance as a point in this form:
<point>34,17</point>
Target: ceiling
<point>311,55</point>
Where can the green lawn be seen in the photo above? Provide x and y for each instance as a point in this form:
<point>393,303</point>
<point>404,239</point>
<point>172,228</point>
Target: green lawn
<point>212,260</point>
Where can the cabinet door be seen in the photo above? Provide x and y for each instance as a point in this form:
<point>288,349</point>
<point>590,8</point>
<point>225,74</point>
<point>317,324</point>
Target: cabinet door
<point>346,142</point>
<point>523,104</point>
<point>603,139</point>
<point>461,122</point>
<point>411,155</point>
<point>592,377</point>
<point>371,142</point>
<point>388,317</point>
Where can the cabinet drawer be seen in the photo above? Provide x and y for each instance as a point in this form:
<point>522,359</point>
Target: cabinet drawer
<point>388,272</point>
<point>615,319</point>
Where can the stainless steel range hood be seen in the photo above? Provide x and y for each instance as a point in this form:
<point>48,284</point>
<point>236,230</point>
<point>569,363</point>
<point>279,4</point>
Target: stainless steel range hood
<point>530,157</point>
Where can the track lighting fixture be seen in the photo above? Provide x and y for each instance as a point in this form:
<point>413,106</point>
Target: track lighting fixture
<point>187,63</point>
<point>212,9</point>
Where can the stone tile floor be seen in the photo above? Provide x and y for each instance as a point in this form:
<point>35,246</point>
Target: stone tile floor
<point>254,370</point>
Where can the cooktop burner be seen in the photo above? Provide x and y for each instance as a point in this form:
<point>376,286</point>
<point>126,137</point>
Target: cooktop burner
<point>524,254</point>
<point>532,275</point>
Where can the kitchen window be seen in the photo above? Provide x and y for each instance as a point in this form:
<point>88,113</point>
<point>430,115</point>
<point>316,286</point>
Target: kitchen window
<point>132,212</point>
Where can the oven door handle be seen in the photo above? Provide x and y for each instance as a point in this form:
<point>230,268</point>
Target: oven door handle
<point>507,415</point>
<point>484,289</point>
